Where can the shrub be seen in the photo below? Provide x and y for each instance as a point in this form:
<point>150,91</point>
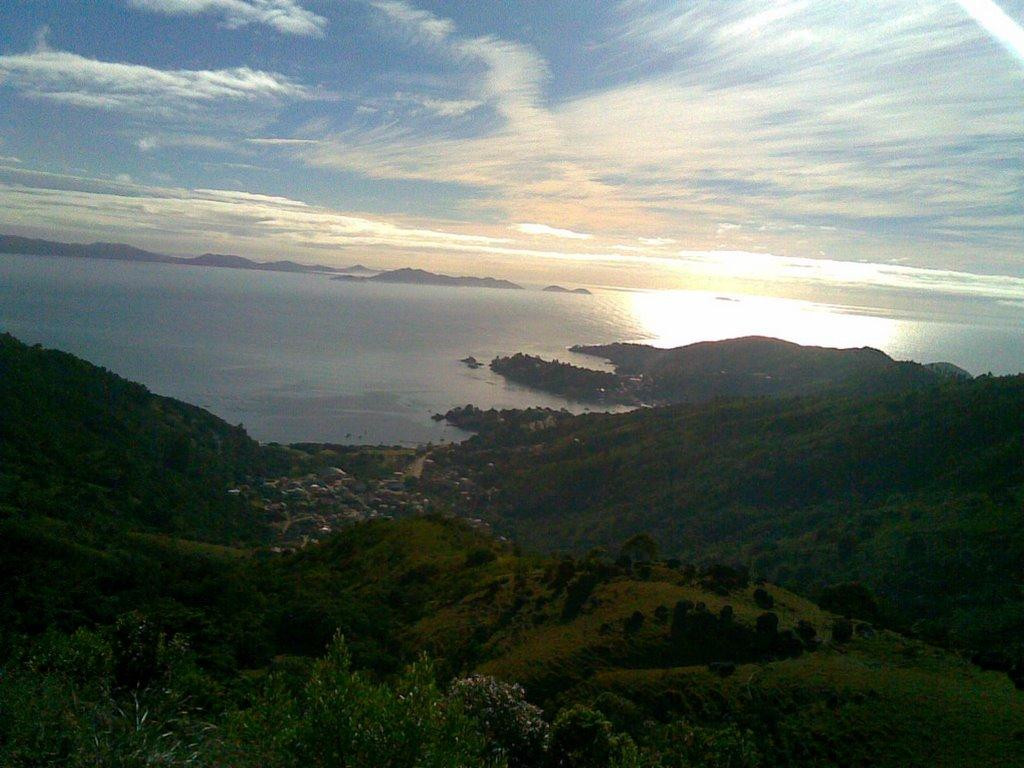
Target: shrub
<point>480,556</point>
<point>764,600</point>
<point>136,643</point>
<point>767,623</point>
<point>641,548</point>
<point>682,745</point>
<point>723,579</point>
<point>576,594</point>
<point>341,718</point>
<point>634,622</point>
<point>722,668</point>
<point>851,600</point>
<point>582,738</point>
<point>805,630</point>
<point>515,729</point>
<point>842,630</point>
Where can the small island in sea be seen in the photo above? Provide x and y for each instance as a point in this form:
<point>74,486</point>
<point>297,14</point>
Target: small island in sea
<point>560,289</point>
<point>422,277</point>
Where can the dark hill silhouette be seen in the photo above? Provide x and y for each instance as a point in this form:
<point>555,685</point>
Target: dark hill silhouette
<point>26,246</point>
<point>757,366</point>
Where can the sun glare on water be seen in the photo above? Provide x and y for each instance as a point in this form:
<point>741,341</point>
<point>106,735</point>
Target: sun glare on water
<point>676,318</point>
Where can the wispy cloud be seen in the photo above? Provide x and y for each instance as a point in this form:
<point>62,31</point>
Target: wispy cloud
<point>845,118</point>
<point>68,78</point>
<point>112,207</point>
<point>156,141</point>
<point>997,23</point>
<point>285,16</point>
<point>281,142</point>
<point>544,229</point>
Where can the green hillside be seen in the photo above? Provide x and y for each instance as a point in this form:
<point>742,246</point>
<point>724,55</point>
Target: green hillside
<point>758,366</point>
<point>750,366</point>
<point>918,495</point>
<point>668,656</point>
<point>80,444</point>
<point>125,640</point>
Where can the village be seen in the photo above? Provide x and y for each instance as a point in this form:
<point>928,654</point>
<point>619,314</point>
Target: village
<point>307,508</point>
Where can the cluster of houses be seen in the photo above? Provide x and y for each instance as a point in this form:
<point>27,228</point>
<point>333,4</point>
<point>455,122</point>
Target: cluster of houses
<point>308,508</point>
<point>311,507</point>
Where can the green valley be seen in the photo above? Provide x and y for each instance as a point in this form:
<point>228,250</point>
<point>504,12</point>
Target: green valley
<point>149,617</point>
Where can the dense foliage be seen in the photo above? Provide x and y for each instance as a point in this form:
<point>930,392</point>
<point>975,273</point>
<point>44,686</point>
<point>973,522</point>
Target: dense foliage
<point>755,366</point>
<point>80,444</point>
<point>126,641</point>
<point>917,495</point>
<point>571,381</point>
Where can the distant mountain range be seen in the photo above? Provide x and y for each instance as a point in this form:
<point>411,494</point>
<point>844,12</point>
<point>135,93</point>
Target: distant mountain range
<point>27,246</point>
<point>422,277</point>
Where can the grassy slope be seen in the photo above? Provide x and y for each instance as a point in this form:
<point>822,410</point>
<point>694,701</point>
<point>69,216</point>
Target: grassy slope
<point>917,494</point>
<point>883,700</point>
<point>400,588</point>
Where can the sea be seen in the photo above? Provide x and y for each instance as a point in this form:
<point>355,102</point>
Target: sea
<point>302,358</point>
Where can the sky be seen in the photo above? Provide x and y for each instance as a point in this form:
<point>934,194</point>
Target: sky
<point>825,143</point>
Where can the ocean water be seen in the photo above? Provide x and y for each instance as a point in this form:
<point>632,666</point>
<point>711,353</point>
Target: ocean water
<point>301,357</point>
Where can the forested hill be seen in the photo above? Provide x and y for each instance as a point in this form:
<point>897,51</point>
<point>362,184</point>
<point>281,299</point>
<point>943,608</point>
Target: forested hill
<point>757,365</point>
<point>918,494</point>
<point>80,444</point>
<point>751,366</point>
<point>123,641</point>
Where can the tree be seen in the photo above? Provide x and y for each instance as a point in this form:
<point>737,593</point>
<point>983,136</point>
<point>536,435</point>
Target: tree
<point>515,729</point>
<point>583,738</point>
<point>640,548</point>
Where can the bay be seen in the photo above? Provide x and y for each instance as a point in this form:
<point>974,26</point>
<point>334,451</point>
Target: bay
<point>304,358</point>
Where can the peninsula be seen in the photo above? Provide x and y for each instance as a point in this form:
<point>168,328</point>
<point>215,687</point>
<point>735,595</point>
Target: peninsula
<point>753,366</point>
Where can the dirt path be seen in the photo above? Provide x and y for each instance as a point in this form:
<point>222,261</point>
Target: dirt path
<point>416,468</point>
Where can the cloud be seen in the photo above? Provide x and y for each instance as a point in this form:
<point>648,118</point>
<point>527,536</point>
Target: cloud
<point>281,142</point>
<point>121,208</point>
<point>829,126</point>
<point>997,23</point>
<point>68,78</point>
<point>449,107</point>
<point>153,142</point>
<point>544,229</point>
<point>285,16</point>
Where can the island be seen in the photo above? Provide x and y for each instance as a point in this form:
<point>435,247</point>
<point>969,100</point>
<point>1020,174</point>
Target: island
<point>471,362</point>
<point>560,289</point>
<point>27,246</point>
<point>422,277</point>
